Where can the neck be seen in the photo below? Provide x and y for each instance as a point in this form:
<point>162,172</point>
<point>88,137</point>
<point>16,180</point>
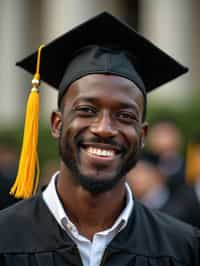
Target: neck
<point>91,213</point>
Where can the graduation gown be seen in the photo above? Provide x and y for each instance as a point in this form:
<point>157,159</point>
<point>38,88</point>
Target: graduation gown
<point>30,235</point>
<point>185,206</point>
<point>5,198</point>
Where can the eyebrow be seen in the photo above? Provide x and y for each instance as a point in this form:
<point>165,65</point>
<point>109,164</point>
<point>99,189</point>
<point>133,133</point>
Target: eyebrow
<point>123,105</point>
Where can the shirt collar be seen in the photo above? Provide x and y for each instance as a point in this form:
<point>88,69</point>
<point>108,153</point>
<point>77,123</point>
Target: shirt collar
<point>53,202</point>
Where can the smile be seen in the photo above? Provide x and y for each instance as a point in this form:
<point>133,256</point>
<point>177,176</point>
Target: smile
<point>108,153</point>
<point>101,152</point>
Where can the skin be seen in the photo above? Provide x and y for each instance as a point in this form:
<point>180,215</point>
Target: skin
<point>105,112</point>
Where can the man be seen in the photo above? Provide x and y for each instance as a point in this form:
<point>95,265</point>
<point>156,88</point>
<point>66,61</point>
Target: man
<point>164,140</point>
<point>150,188</point>
<point>185,204</point>
<point>87,214</point>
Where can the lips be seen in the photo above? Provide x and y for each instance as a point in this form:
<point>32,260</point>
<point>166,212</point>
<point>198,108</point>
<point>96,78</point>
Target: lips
<point>101,151</point>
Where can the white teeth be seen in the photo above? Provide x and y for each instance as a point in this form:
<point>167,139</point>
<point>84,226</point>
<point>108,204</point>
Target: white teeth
<point>101,152</point>
<point>104,153</point>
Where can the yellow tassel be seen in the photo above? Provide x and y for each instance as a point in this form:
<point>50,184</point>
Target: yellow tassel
<point>27,179</point>
<point>193,163</point>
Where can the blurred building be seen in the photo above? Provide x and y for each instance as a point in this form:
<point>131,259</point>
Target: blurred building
<point>24,25</point>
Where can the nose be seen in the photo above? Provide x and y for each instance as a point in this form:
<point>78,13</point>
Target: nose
<point>103,126</point>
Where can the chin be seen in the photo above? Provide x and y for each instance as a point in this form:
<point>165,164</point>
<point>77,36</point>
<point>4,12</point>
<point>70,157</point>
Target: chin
<point>97,185</point>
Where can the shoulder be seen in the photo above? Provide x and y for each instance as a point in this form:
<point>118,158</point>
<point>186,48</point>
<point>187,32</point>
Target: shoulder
<point>166,235</point>
<point>165,226</point>
<point>29,227</point>
<point>155,234</point>
<point>18,213</point>
<point>162,222</point>
<point>23,227</point>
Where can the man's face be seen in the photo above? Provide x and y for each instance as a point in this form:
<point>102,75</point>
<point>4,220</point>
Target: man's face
<point>102,127</point>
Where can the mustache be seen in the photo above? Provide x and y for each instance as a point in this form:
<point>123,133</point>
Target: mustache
<point>97,140</point>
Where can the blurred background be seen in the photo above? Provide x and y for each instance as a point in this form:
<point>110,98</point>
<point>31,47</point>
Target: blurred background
<point>173,110</point>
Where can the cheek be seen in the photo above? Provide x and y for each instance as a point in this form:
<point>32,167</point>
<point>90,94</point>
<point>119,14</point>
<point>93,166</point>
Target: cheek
<point>132,136</point>
<point>72,130</point>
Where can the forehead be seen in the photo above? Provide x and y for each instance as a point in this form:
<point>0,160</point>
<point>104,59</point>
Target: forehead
<point>105,86</point>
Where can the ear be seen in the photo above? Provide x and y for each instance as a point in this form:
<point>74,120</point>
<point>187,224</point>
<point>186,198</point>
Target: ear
<point>56,124</point>
<point>144,133</point>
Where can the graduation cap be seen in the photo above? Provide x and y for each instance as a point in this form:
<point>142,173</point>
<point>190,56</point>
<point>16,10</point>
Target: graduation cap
<point>103,44</point>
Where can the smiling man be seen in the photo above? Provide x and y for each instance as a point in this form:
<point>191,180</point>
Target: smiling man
<point>99,129</point>
<point>87,215</point>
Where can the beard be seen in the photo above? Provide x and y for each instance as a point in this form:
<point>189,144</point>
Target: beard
<point>91,183</point>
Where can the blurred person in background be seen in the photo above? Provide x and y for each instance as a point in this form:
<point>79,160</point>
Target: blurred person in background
<point>147,182</point>
<point>8,168</point>
<point>185,204</point>
<point>150,188</point>
<point>165,140</point>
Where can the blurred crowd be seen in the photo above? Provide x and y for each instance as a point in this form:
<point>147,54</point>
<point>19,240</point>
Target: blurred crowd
<point>165,178</point>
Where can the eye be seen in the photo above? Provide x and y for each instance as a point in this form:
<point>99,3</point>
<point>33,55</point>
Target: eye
<point>127,117</point>
<point>86,110</point>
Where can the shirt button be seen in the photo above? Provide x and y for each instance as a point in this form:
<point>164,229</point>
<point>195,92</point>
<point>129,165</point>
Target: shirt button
<point>69,226</point>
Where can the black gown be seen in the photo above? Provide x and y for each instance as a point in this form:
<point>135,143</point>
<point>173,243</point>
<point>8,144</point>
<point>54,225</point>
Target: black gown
<point>30,235</point>
<point>184,205</point>
<point>5,198</point>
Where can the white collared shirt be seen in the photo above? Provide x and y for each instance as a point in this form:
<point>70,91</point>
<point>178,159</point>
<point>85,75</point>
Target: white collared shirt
<point>91,252</point>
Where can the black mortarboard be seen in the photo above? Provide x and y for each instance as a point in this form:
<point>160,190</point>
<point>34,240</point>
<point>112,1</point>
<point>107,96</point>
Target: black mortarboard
<point>104,44</point>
